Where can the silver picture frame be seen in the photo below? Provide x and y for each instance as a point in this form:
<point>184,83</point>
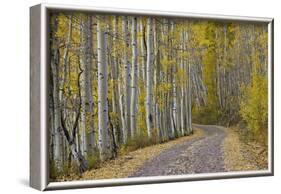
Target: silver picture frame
<point>39,48</point>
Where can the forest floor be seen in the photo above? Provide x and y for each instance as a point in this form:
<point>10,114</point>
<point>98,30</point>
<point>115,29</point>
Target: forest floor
<point>210,149</point>
<point>240,155</point>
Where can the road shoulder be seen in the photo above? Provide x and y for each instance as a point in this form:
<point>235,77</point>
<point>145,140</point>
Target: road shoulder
<point>240,156</point>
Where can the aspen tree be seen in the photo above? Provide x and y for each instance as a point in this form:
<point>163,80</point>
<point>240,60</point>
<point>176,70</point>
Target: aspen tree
<point>104,142</point>
<point>134,81</point>
<point>149,114</point>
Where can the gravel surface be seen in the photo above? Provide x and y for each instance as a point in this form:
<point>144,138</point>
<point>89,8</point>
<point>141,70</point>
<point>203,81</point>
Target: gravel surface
<point>199,155</point>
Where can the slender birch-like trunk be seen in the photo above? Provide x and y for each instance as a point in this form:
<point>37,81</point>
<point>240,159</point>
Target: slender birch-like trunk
<point>170,74</point>
<point>189,100</point>
<point>174,85</point>
<point>143,50</point>
<point>56,132</point>
<point>104,143</point>
<point>182,91</point>
<point>127,68</point>
<point>87,138</point>
<point>156,79</point>
<point>115,83</point>
<point>88,85</point>
<point>149,114</point>
<point>134,81</point>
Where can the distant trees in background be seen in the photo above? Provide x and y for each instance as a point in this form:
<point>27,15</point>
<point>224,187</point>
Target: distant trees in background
<point>118,83</point>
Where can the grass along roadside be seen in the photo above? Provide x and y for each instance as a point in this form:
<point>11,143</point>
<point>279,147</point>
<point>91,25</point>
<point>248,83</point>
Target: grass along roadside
<point>243,156</point>
<point>124,166</point>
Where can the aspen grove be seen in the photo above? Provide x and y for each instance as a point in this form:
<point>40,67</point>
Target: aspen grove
<point>119,83</point>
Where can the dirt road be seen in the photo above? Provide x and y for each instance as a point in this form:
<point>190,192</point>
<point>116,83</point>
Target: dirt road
<point>200,155</point>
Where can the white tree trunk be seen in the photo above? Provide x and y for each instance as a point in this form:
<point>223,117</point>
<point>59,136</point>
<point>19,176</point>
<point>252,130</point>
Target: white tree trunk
<point>56,132</point>
<point>127,67</point>
<point>104,143</point>
<point>174,84</point>
<point>115,83</point>
<point>183,105</point>
<point>186,98</point>
<point>149,114</point>
<point>83,62</point>
<point>174,107</point>
<point>57,127</point>
<point>189,99</point>
<point>124,130</point>
<point>157,67</point>
<point>184,110</point>
<point>134,82</point>
<point>143,52</point>
<point>88,136</point>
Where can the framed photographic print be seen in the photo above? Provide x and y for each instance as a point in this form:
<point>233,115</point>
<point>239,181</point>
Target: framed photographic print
<point>123,97</point>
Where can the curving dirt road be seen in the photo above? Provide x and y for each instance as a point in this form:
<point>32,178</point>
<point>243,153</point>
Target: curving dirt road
<point>199,155</point>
